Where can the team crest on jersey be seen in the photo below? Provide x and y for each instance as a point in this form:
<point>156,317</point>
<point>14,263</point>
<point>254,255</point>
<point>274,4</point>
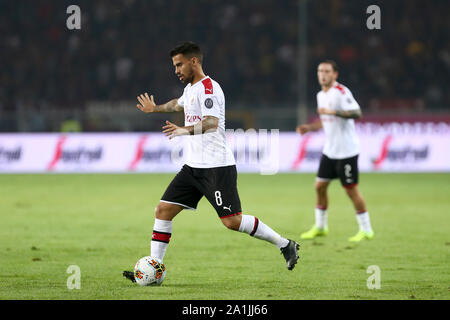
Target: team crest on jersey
<point>209,103</point>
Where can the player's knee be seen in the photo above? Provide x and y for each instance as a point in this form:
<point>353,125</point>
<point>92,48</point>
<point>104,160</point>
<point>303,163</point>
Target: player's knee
<point>232,223</point>
<point>159,211</point>
<point>321,187</point>
<point>163,211</point>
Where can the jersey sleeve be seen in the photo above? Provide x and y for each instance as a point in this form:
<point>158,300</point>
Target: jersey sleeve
<point>348,102</point>
<point>210,99</point>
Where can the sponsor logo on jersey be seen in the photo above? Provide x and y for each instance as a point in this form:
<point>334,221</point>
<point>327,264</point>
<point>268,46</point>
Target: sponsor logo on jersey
<point>192,118</point>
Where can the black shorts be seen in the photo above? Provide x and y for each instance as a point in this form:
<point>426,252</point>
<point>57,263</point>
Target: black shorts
<point>344,169</point>
<point>218,185</point>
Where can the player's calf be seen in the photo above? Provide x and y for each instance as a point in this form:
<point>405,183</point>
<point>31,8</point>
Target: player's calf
<point>321,188</point>
<point>356,197</point>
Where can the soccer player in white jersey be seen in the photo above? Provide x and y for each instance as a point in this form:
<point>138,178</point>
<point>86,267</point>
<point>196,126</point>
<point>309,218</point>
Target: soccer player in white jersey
<point>337,109</point>
<point>210,168</point>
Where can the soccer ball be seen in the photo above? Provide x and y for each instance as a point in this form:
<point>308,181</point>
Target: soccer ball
<point>149,271</point>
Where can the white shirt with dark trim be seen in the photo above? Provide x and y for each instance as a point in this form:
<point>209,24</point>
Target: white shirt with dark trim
<point>341,139</point>
<point>208,150</point>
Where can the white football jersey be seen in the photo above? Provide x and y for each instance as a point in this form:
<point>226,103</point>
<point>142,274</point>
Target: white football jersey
<point>341,139</point>
<point>208,150</point>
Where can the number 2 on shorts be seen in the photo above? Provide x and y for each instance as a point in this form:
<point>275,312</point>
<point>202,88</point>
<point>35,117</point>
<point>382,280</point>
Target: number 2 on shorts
<point>347,170</point>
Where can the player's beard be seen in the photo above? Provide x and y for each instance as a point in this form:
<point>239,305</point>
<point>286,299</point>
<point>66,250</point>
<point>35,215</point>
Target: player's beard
<point>188,78</point>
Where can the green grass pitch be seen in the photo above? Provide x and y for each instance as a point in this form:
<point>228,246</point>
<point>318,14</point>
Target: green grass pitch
<point>103,224</point>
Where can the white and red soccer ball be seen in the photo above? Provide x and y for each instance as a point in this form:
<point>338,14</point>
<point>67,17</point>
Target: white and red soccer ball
<point>149,271</point>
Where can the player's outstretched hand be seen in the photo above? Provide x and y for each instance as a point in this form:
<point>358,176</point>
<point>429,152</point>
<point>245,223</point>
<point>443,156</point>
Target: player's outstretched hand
<point>171,130</point>
<point>147,104</point>
<point>302,128</point>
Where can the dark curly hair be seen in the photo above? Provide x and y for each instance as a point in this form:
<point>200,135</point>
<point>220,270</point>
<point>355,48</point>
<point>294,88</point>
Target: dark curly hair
<point>188,49</point>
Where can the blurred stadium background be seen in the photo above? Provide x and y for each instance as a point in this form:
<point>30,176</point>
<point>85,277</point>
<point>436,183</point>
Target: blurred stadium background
<point>263,53</point>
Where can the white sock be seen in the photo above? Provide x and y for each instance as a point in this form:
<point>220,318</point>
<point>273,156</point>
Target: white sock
<point>364,221</point>
<point>162,231</point>
<point>321,218</point>
<point>256,228</point>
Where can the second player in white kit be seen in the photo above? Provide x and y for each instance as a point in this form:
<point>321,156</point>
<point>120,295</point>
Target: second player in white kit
<point>337,109</point>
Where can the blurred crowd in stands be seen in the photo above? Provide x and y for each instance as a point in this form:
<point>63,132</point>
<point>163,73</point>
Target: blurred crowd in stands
<point>251,49</point>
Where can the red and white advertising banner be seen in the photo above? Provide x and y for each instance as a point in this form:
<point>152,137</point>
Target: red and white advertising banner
<point>419,147</point>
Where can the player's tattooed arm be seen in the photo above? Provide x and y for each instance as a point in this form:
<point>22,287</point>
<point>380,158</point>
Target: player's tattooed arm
<point>171,106</point>
<point>147,104</point>
<point>208,124</point>
<point>346,114</point>
<point>349,114</point>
